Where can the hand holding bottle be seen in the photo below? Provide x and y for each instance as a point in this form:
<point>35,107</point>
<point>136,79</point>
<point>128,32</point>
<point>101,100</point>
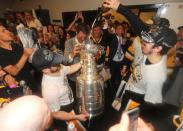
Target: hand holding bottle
<point>113,4</point>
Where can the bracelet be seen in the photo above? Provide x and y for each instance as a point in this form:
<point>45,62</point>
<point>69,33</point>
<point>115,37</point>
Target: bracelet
<point>13,86</point>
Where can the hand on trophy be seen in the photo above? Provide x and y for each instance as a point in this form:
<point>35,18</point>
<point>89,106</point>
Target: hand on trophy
<point>82,117</point>
<point>113,4</point>
<point>76,50</point>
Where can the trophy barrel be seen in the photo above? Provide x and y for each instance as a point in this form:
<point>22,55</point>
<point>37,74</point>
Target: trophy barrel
<point>90,95</point>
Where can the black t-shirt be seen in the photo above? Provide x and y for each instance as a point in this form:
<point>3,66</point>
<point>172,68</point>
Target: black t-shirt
<point>11,57</point>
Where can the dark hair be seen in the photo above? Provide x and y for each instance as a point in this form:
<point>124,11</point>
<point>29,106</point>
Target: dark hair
<point>83,28</point>
<point>164,50</point>
<point>125,23</point>
<point>117,24</point>
<point>28,11</point>
<point>3,22</point>
<point>71,33</point>
<point>98,24</point>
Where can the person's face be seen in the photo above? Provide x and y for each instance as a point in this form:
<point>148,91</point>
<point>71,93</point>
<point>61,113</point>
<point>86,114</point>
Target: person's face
<point>56,28</point>
<point>50,28</point>
<point>54,40</point>
<point>46,38</point>
<point>60,31</point>
<point>5,35</point>
<point>28,16</point>
<point>119,30</point>
<point>96,32</point>
<point>180,33</point>
<point>146,47</point>
<point>81,36</point>
<point>19,16</point>
<point>68,36</point>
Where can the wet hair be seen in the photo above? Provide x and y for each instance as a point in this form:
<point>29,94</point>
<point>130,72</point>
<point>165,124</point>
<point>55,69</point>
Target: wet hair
<point>83,28</point>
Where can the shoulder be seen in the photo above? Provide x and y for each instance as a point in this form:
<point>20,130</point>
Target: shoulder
<point>71,40</point>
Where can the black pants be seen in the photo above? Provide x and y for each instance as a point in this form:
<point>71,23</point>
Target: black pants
<point>73,88</point>
<point>115,68</point>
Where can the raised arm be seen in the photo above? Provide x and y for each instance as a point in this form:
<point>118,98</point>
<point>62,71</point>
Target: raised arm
<point>62,115</point>
<point>74,68</point>
<point>134,20</point>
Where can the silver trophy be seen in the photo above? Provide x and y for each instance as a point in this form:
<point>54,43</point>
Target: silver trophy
<point>27,39</point>
<point>89,85</point>
<point>26,36</point>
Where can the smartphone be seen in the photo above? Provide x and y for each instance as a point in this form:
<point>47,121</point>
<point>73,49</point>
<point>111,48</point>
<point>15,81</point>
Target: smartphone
<point>133,115</point>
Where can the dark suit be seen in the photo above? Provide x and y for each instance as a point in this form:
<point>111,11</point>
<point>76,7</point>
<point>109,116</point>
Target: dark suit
<point>115,67</point>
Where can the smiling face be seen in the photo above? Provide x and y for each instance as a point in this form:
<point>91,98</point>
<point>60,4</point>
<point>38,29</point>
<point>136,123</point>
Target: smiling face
<point>97,32</point>
<point>119,30</point>
<point>5,35</point>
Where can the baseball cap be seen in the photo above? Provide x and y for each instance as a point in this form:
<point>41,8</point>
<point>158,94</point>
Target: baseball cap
<point>44,58</point>
<point>161,22</point>
<point>160,36</point>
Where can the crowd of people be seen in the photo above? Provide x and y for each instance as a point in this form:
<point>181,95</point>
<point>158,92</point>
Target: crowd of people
<point>142,55</point>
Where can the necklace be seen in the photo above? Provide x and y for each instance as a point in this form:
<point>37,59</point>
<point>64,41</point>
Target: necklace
<point>96,41</point>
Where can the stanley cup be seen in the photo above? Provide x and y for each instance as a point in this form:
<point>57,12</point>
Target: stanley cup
<point>89,85</point>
